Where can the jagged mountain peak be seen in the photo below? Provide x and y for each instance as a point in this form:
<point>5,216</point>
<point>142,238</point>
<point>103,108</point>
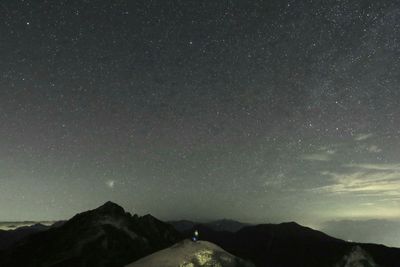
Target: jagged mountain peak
<point>104,236</point>
<point>107,211</point>
<point>149,217</point>
<point>111,207</point>
<point>291,224</point>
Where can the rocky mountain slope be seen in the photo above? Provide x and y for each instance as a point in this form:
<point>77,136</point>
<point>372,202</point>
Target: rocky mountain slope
<point>188,253</point>
<point>106,236</point>
<point>290,244</point>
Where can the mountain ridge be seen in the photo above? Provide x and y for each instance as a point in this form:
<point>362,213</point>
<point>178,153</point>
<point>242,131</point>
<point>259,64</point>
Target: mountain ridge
<point>105,236</point>
<point>111,237</point>
<point>218,225</point>
<point>290,244</point>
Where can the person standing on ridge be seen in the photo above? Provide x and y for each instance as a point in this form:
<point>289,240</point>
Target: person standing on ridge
<point>195,236</point>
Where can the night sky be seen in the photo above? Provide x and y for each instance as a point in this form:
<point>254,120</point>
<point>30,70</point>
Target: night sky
<point>260,111</point>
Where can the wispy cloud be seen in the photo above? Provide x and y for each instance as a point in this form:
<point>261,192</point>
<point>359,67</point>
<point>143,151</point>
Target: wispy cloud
<point>318,156</point>
<point>332,147</point>
<point>362,137</point>
<point>376,167</point>
<point>365,181</point>
<point>368,204</point>
<point>323,153</point>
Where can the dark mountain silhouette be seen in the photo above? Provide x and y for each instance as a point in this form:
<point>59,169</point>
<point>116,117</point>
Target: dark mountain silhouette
<point>218,225</point>
<point>107,236</point>
<point>290,244</point>
<point>10,237</point>
<point>183,225</point>
<point>226,225</point>
<point>110,237</point>
<point>57,224</point>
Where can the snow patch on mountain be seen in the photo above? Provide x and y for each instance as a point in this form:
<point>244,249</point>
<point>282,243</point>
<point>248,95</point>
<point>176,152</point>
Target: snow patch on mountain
<point>357,257</point>
<point>119,224</point>
<point>191,254</point>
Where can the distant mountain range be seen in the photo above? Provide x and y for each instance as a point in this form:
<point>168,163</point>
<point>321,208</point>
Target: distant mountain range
<point>10,237</point>
<point>5,226</point>
<point>218,225</point>
<point>13,236</point>
<point>110,237</point>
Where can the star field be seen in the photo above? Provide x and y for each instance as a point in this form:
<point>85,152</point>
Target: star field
<point>261,111</point>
